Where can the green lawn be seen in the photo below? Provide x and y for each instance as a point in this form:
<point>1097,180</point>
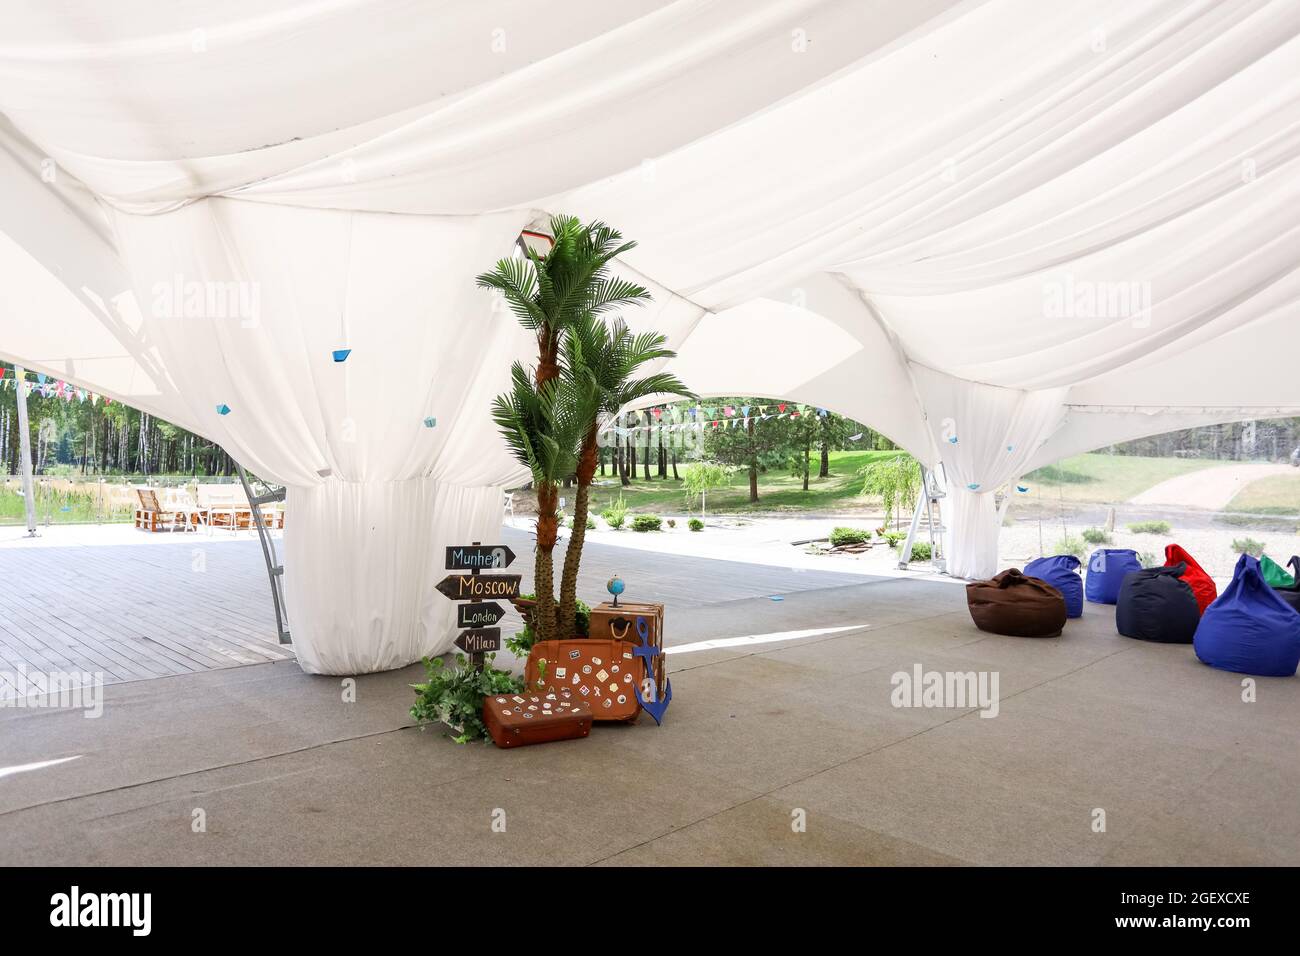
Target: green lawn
<point>1108,479</point>
<point>1274,495</point>
<point>777,491</point>
<point>60,507</point>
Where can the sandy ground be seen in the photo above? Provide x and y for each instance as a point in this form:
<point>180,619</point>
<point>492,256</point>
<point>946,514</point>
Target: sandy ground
<point>1211,488</point>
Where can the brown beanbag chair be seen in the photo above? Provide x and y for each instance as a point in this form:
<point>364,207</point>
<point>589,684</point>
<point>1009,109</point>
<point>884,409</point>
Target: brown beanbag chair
<point>1016,605</point>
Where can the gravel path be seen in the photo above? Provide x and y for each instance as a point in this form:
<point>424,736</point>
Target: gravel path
<point>1211,488</point>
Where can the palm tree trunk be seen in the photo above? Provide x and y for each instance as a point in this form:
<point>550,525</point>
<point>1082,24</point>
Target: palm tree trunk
<point>544,568</point>
<point>568,613</point>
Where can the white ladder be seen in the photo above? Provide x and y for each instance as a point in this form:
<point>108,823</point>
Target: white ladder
<point>933,489</point>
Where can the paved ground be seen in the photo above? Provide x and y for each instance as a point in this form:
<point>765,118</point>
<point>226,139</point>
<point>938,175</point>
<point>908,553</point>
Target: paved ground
<point>281,769</point>
<point>1211,488</point>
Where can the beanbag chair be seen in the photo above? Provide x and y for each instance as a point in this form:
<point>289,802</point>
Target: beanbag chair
<point>1275,575</point>
<point>1061,571</point>
<point>1106,570</point>
<point>1202,584</point>
<point>1155,605</point>
<point>1017,606</point>
<point>1291,595</point>
<point>1249,629</point>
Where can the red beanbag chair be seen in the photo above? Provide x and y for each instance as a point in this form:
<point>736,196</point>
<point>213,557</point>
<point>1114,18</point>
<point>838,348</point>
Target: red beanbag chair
<point>1202,584</point>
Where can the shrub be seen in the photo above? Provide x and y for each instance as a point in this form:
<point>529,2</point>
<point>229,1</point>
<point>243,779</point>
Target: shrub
<point>616,513</point>
<point>1248,546</point>
<point>892,538</point>
<point>921,551</point>
<point>841,536</point>
<point>895,481</point>
<point>454,695</point>
<point>591,523</point>
<point>1151,527</point>
<point>647,523</point>
<point>1149,560</point>
<point>1096,536</point>
<point>1071,545</point>
<point>695,524</point>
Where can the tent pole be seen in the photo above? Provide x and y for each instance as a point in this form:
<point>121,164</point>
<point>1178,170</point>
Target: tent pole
<point>25,441</point>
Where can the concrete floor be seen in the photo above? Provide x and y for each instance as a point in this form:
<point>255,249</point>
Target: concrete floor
<point>285,771</point>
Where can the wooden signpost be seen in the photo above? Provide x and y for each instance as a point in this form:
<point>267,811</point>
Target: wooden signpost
<point>479,615</point>
<point>469,585</point>
<point>477,640</point>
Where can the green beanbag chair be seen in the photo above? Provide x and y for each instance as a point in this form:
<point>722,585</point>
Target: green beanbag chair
<point>1275,576</point>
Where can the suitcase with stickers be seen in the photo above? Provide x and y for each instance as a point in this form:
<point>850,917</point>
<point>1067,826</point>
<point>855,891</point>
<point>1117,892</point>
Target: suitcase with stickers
<point>517,720</point>
<point>600,672</point>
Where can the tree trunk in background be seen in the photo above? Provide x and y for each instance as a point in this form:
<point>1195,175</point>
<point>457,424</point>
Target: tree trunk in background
<point>825,470</point>
<point>631,459</point>
<point>621,464</point>
<point>646,459</point>
<point>753,465</point>
<point>663,456</point>
<point>675,477</point>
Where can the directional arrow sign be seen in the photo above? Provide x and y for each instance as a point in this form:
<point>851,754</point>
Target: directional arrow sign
<point>479,640</point>
<point>479,615</point>
<point>479,557</point>
<point>478,587</point>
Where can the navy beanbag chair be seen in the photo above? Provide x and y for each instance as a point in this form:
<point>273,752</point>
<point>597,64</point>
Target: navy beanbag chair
<point>1106,570</point>
<point>1061,571</point>
<point>1249,629</point>
<point>1155,604</point>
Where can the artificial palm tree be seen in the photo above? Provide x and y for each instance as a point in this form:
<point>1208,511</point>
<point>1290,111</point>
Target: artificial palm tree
<point>600,361</point>
<point>543,428</point>
<point>548,294</point>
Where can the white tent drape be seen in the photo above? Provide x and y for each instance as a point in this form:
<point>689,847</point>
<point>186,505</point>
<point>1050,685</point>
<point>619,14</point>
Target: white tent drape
<point>1058,224</point>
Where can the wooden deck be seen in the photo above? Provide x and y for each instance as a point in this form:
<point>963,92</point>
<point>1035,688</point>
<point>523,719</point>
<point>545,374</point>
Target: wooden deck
<point>134,611</point>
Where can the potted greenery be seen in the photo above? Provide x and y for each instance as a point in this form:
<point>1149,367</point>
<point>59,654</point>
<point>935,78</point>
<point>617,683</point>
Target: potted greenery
<point>454,695</point>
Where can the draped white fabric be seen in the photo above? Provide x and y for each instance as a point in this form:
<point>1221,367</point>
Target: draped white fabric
<point>986,435</point>
<point>1060,224</point>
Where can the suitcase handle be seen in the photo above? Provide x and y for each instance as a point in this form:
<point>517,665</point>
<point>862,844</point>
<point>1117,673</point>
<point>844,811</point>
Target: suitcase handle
<point>613,628</point>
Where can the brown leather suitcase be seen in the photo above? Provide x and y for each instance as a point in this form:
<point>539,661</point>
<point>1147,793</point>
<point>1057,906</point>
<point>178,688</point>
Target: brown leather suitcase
<point>620,623</point>
<point>517,720</point>
<point>600,672</point>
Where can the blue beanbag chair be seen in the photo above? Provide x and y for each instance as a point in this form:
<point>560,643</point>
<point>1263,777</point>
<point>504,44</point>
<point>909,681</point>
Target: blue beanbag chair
<point>1106,570</point>
<point>1061,571</point>
<point>1249,629</point>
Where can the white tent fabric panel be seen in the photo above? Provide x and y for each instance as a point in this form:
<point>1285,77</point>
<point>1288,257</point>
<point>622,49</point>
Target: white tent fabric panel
<point>1058,225</point>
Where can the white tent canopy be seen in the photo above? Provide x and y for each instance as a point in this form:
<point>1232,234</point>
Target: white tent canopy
<point>1001,232</point>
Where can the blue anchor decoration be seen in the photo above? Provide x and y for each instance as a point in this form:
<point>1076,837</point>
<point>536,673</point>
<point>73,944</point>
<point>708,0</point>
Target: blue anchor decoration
<point>645,650</point>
